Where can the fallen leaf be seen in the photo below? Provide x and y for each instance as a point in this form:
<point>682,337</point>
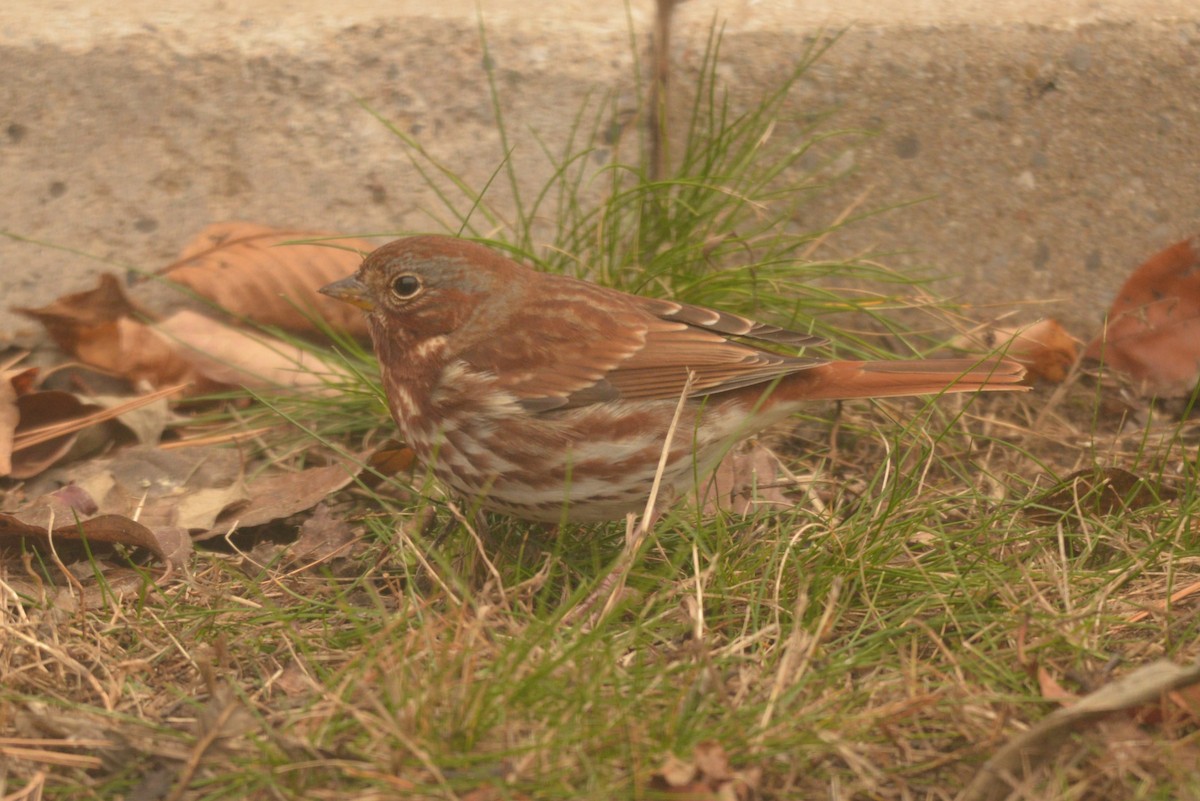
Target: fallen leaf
<point>171,545</point>
<point>75,321</point>
<point>712,761</point>
<point>1051,689</point>
<point>706,777</point>
<point>52,421</point>
<point>83,379</point>
<point>389,459</point>
<point>223,355</point>
<point>37,410</point>
<point>1045,347</point>
<point>1097,491</point>
<point>1003,773</point>
<point>104,329</point>
<point>675,772</point>
<point>186,488</point>
<point>10,416</point>
<point>323,536</point>
<point>272,496</point>
<point>1153,329</point>
<point>252,271</point>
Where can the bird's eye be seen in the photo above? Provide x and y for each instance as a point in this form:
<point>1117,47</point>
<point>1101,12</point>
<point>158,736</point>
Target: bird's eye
<point>406,286</point>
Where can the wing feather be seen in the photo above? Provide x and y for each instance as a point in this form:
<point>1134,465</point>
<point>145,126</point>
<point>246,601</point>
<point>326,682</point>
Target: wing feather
<point>591,345</point>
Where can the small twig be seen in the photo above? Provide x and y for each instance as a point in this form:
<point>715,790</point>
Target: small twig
<point>656,122</point>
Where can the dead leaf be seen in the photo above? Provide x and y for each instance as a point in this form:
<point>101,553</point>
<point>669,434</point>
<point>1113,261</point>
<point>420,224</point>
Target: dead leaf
<point>707,777</point>
<point>1153,329</point>
<point>52,421</point>
<point>323,536</point>
<point>104,329</point>
<point>272,496</point>
<point>75,321</point>
<point>1097,491</point>
<point>83,379</point>
<point>38,410</point>
<point>170,545</point>
<point>1041,741</point>
<point>223,355</point>
<point>251,271</point>
<point>1044,347</point>
<point>10,416</point>
<point>185,488</point>
<point>712,761</point>
<point>389,459</point>
<point>1051,689</point>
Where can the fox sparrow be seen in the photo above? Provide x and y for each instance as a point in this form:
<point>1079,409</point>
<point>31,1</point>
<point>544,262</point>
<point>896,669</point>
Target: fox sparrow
<point>548,398</point>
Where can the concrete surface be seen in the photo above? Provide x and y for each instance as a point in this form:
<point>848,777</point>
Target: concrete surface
<point>1058,142</point>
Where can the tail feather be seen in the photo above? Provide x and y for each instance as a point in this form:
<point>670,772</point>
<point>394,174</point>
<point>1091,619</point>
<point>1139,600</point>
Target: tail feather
<point>846,380</point>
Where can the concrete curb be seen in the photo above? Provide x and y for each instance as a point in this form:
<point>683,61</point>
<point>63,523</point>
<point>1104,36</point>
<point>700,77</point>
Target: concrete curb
<point>1058,144</point>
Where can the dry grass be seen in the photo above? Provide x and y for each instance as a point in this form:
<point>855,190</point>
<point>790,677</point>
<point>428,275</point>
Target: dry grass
<point>879,640</point>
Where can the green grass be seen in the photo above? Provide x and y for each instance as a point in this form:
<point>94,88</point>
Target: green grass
<point>878,640</point>
<point>879,646</point>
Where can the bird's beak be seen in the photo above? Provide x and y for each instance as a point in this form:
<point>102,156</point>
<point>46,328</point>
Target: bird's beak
<point>349,290</point>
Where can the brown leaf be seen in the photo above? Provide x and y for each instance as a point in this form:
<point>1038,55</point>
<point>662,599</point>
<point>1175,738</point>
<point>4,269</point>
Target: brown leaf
<point>52,421</point>
<point>1153,329</point>
<point>1098,491</point>
<point>73,321</point>
<point>39,409</point>
<point>389,459</point>
<point>10,416</point>
<point>1036,745</point>
<point>277,495</point>
<point>185,488</point>
<point>1045,347</point>
<point>138,353</point>
<point>171,546</point>
<point>675,772</point>
<point>322,536</point>
<point>103,328</point>
<point>707,777</point>
<point>712,761</point>
<point>221,355</point>
<point>1051,689</point>
<point>251,271</point>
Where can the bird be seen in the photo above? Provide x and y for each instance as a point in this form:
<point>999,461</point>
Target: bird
<point>548,398</point>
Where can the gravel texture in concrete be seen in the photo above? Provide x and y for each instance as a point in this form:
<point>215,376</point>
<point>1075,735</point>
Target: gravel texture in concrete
<point>1053,146</point>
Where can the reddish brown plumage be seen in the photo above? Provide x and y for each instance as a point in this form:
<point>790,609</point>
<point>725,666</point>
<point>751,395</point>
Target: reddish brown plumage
<point>548,398</point>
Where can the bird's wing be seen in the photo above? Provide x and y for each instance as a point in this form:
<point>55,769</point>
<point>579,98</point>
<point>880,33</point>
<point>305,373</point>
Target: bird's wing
<point>592,345</point>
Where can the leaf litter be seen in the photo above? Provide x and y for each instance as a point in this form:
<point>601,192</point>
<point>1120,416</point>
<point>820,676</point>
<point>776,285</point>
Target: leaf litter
<point>161,500</point>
